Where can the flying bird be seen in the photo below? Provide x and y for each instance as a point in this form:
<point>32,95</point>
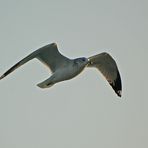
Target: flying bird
<point>63,68</point>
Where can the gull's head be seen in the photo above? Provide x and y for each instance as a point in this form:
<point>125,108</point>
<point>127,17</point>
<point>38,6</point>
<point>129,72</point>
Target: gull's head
<point>81,62</point>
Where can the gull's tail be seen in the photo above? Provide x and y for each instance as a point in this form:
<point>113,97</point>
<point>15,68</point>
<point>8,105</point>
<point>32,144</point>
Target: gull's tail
<point>20,63</point>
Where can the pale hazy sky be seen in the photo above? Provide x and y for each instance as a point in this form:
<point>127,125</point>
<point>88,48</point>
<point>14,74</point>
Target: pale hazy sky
<point>83,112</point>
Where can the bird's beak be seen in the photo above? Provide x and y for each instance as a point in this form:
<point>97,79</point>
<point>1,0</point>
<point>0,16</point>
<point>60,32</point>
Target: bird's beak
<point>89,62</point>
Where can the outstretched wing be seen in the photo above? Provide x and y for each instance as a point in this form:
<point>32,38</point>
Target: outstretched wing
<point>48,55</point>
<point>51,57</point>
<point>108,67</point>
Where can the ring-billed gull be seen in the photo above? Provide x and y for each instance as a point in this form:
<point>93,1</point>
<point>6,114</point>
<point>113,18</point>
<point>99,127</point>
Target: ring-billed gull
<point>63,68</point>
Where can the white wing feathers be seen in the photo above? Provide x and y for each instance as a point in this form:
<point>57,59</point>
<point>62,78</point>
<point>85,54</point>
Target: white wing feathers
<point>51,57</point>
<point>108,67</point>
<point>48,54</point>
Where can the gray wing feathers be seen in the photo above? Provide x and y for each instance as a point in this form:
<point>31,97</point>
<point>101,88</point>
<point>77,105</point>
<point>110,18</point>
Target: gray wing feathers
<point>47,54</point>
<point>108,67</point>
<point>51,57</point>
<point>20,63</point>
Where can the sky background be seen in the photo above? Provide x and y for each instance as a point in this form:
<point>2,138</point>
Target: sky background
<point>83,112</point>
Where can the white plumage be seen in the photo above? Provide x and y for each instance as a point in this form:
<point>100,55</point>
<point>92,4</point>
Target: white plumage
<point>64,68</point>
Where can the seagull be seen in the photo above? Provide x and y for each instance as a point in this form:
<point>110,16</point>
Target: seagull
<point>63,68</point>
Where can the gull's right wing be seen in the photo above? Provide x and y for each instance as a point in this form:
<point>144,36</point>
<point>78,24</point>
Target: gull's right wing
<point>49,55</point>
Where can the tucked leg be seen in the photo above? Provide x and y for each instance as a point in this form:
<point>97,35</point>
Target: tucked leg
<point>47,83</point>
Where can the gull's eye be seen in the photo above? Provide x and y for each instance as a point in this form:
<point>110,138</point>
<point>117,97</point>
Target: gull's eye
<point>83,59</point>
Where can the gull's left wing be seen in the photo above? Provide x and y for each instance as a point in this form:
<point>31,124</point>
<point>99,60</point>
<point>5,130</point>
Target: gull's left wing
<point>108,67</point>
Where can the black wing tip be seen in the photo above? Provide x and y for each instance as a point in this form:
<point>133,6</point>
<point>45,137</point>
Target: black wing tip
<point>119,93</point>
<point>117,86</point>
<point>1,77</point>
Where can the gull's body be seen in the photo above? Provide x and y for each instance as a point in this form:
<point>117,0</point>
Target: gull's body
<point>63,68</point>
